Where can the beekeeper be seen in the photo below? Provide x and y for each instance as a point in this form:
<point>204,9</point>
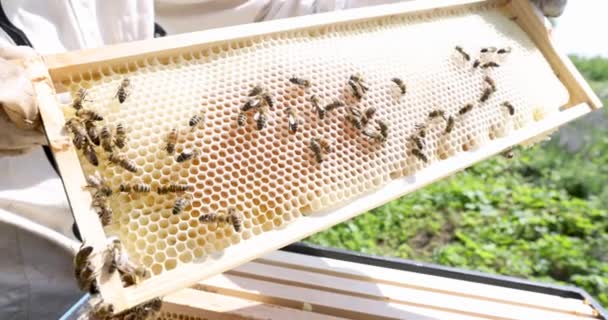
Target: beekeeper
<point>36,239</point>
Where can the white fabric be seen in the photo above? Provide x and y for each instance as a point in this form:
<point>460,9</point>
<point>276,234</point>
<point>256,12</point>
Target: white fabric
<point>36,280</point>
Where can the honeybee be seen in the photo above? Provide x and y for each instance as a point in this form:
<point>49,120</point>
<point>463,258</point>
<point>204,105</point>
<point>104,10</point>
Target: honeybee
<point>509,107</point>
<point>123,162</point>
<point>180,205</point>
<point>196,120</point>
<point>490,82</point>
<point>104,211</point>
<point>421,128</point>
<point>90,154</point>
<point>418,141</point>
<point>356,90</point>
<point>142,311</point>
<point>92,132</point>
<point>358,79</point>
<point>300,82</point>
<point>241,119</point>
<point>88,115</point>
<point>171,141</point>
<point>268,99</point>
<point>508,154</point>
<point>231,217</point>
<point>467,108</point>
<point>261,118</point>
<point>98,183</point>
<point>173,188</point>
<point>251,104</point>
<point>137,188</point>
<point>292,119</point>
<point>316,104</point>
<point>187,155</point>
<point>123,90</point>
<point>465,55</point>
<point>436,114</point>
<point>373,134</point>
<point>113,256</point>
<point>81,264</point>
<point>490,64</point>
<point>383,129</point>
<point>488,50</point>
<point>368,114</point>
<point>476,63</point>
<point>505,50</point>
<point>400,84</point>
<point>102,310</point>
<point>487,92</point>
<point>121,136</point>
<point>315,146</point>
<point>449,125</point>
<point>420,155</point>
<point>255,91</point>
<point>79,99</point>
<point>354,117</point>
<point>236,218</point>
<point>334,105</point>
<point>106,139</point>
<point>80,133</point>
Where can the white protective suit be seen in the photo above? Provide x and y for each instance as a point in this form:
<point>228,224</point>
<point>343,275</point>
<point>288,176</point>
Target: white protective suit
<point>36,241</point>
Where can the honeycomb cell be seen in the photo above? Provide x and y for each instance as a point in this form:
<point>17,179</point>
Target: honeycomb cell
<point>271,175</point>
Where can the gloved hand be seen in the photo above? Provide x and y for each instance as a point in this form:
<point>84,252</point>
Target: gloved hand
<point>551,8</point>
<point>20,128</point>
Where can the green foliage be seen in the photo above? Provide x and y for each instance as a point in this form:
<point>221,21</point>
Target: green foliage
<point>542,215</point>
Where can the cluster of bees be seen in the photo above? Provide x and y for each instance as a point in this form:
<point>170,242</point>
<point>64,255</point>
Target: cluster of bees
<point>260,101</point>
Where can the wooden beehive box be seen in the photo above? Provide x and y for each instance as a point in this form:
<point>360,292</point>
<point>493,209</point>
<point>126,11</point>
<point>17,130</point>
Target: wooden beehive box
<point>271,176</point>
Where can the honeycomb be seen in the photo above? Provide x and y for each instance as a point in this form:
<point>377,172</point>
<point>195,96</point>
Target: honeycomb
<point>270,176</point>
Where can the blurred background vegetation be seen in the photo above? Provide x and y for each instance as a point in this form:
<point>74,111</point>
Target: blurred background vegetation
<point>542,215</point>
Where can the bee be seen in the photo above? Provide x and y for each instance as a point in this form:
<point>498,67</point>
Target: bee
<point>465,55</point>
<point>368,114</point>
<point>373,134</point>
<point>97,182</point>
<point>476,63</point>
<point>358,79</point>
<point>113,256</point>
<point>354,117</point>
<point>383,129</point>
<point>488,50</point>
<point>300,82</point>
<point>261,118</point>
<point>106,139</point>
<point>292,119</point>
<point>417,141</point>
<point>490,64</point>
<point>236,219</point>
<point>251,104</point>
<point>487,92</point>
<point>173,188</point>
<point>436,114</point>
<point>180,205</point>
<point>268,99</point>
<point>123,90</point>
<point>80,133</point>
<point>120,137</point>
<point>420,155</point>
<point>467,108</point>
<point>356,90</point>
<point>255,91</point>
<point>104,211</point>
<point>241,119</point>
<point>187,155</point>
<point>316,148</point>
<point>81,261</point>
<point>90,154</point>
<point>316,104</point>
<point>92,132</point>
<point>137,188</point>
<point>171,141</point>
<point>504,50</point>
<point>449,125</point>
<point>490,82</point>
<point>89,115</point>
<point>508,154</point>
<point>421,128</point>
<point>80,98</point>
<point>196,120</point>
<point>143,311</point>
<point>102,310</point>
<point>231,217</point>
<point>334,105</point>
<point>509,107</point>
<point>400,84</point>
<point>123,162</point>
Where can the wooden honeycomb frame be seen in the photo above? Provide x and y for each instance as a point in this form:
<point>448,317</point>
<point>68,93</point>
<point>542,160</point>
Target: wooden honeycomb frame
<point>48,72</point>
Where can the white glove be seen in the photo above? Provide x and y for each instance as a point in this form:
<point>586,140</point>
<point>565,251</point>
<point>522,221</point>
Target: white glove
<point>551,8</point>
<point>20,128</point>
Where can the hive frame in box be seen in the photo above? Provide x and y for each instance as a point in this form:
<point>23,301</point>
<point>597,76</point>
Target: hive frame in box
<point>49,70</point>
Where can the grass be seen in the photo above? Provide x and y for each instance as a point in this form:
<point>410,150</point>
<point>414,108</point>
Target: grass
<point>542,215</point>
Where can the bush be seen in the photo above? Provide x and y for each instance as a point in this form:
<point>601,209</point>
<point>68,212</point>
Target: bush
<point>542,215</point>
